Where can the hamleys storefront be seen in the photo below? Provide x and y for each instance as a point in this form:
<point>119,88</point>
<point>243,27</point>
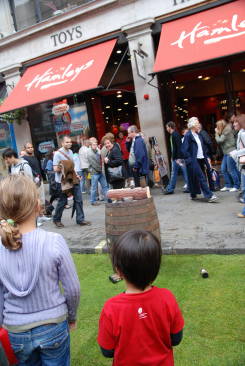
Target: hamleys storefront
<point>200,63</point>
<point>88,86</point>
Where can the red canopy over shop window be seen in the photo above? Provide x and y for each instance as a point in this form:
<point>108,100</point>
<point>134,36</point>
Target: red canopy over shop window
<point>203,36</point>
<point>64,75</point>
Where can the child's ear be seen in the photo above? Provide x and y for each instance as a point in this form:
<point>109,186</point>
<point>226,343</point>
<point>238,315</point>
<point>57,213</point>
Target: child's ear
<point>119,273</point>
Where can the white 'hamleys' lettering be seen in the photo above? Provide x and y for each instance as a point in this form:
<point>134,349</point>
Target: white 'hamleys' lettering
<point>51,78</point>
<point>216,33</point>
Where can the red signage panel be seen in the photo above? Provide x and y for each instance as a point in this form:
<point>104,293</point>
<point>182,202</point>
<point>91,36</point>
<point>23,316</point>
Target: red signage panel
<point>64,75</point>
<point>203,36</point>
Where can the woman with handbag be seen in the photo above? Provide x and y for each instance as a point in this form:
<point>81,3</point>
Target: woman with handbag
<point>33,308</point>
<point>114,168</point>
<point>224,136</point>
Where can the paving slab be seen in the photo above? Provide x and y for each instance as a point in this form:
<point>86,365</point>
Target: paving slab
<point>187,227</point>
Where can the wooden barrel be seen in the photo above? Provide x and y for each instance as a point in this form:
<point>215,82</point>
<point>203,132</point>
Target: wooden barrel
<point>121,217</point>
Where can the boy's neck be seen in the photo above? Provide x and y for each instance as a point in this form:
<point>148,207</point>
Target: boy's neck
<point>131,289</point>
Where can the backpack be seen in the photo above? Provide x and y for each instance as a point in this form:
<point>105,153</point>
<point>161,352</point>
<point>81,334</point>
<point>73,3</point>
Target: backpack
<point>36,176</point>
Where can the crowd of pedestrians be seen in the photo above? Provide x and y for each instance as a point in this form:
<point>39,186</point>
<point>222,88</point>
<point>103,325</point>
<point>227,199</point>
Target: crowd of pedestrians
<point>37,314</point>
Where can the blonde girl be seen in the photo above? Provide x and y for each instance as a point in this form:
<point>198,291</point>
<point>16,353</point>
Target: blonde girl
<point>33,262</point>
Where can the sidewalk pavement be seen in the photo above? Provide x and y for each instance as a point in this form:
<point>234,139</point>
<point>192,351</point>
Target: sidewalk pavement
<point>187,227</point>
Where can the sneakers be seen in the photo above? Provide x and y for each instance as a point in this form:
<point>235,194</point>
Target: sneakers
<point>241,216</point>
<point>225,189</point>
<point>44,218</point>
<point>131,183</point>
<point>233,189</point>
<point>213,199</point>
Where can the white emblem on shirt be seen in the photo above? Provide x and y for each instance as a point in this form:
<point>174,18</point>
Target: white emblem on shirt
<point>142,314</point>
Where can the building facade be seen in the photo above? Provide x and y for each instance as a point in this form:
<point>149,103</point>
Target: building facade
<point>130,89</point>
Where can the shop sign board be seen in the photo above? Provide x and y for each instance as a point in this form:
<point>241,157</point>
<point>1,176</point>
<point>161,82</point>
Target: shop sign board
<point>207,35</point>
<point>46,146</point>
<point>64,75</point>
<point>66,36</point>
<point>60,108</point>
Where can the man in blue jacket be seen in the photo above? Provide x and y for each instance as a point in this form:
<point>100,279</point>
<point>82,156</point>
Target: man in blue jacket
<point>138,158</point>
<point>176,158</point>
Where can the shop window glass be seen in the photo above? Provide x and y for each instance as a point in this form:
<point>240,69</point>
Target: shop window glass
<point>238,79</point>
<point>57,7</point>
<point>48,121</point>
<point>25,14</point>
<point>6,21</point>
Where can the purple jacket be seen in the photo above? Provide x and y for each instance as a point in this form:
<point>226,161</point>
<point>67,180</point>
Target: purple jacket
<point>29,280</point>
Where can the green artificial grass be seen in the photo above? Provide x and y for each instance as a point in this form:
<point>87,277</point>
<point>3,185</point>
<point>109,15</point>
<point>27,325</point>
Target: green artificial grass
<point>213,308</point>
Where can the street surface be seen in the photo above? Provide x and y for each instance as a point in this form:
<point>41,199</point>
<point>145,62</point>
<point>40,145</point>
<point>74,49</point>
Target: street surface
<point>186,226</point>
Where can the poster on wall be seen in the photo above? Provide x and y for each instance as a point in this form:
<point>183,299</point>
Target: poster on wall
<point>72,120</point>
<point>79,120</point>
<point>61,117</point>
<point>5,137</point>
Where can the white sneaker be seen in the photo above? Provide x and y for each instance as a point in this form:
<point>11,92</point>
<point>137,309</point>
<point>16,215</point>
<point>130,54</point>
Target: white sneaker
<point>225,189</point>
<point>185,186</point>
<point>131,184</point>
<point>213,199</point>
<point>233,189</point>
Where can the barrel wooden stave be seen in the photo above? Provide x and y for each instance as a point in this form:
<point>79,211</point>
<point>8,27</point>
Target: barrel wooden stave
<point>133,215</point>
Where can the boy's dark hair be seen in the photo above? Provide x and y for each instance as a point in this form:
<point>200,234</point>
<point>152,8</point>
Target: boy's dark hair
<point>9,153</point>
<point>171,124</point>
<point>137,256</point>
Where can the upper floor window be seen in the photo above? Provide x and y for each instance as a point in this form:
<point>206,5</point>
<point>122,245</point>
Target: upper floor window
<point>28,12</point>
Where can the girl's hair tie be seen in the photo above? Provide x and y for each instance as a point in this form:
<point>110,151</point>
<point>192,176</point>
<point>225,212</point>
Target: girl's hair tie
<point>10,222</point>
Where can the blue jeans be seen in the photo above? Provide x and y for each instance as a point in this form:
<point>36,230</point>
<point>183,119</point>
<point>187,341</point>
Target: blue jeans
<point>174,173</point>
<point>78,202</point>
<point>95,178</point>
<point>84,183</point>
<point>46,345</point>
<point>243,187</point>
<point>242,182</point>
<point>230,172</point>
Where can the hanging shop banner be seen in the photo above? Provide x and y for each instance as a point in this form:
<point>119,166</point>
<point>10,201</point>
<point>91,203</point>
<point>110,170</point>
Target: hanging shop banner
<point>64,75</point>
<point>61,117</point>
<point>203,36</point>
<point>79,120</point>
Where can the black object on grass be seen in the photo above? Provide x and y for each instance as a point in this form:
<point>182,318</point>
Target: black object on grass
<point>204,273</point>
<point>114,278</point>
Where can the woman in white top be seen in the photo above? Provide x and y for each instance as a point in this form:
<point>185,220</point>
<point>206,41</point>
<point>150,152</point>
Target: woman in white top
<point>196,160</point>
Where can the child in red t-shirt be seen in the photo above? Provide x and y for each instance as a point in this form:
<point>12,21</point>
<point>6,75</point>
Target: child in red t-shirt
<point>141,325</point>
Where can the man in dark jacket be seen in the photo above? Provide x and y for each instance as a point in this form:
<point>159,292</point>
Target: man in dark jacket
<point>138,157</point>
<point>176,159</point>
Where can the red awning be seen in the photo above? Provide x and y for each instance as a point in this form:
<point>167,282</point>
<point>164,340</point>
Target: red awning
<point>203,36</point>
<point>64,75</point>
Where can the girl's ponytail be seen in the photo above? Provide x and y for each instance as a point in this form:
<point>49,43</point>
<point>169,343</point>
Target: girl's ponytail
<point>18,201</point>
<point>10,234</point>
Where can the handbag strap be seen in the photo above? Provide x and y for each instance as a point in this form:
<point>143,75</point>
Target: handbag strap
<point>65,155</point>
